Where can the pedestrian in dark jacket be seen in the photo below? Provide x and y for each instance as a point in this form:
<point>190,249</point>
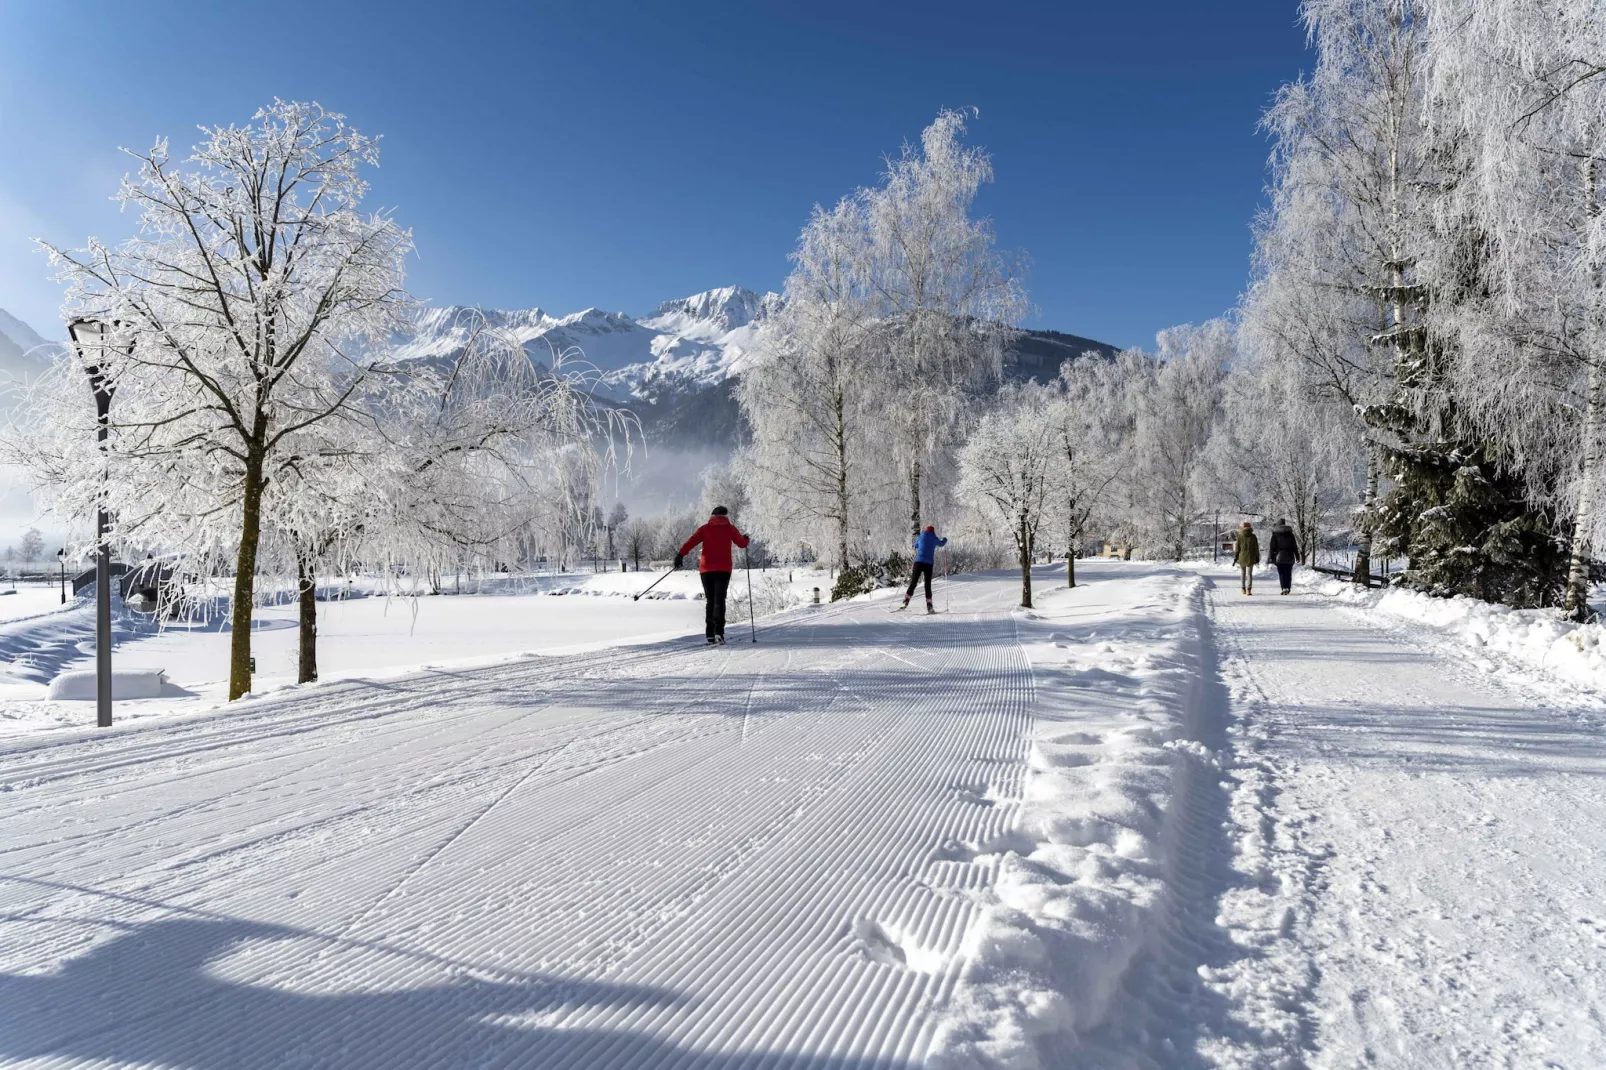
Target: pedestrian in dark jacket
<point>1283,551</point>
<point>717,537</point>
<point>1246,555</point>
<point>925,547</point>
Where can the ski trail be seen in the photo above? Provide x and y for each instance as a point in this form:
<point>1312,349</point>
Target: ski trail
<point>654,858</point>
<point>783,855</point>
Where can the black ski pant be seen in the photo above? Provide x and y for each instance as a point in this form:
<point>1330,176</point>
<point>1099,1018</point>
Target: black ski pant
<point>1285,575</point>
<point>715,584</point>
<point>922,568</point>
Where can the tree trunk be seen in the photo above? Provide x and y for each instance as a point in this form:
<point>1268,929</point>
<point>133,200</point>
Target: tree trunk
<point>1577,604</point>
<point>914,500</point>
<point>1578,564</point>
<point>245,570</point>
<point>1024,541</point>
<point>1070,568</point>
<point>1363,546</point>
<point>307,596</point>
<point>841,479</point>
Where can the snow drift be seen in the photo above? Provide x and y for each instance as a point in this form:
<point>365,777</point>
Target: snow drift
<point>126,683</point>
<point>1535,639</point>
<point>1116,672</point>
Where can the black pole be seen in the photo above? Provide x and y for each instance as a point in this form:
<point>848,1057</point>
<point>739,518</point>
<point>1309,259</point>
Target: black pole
<point>103,571</point>
<point>656,582</point>
<point>747,564</point>
<point>61,558</point>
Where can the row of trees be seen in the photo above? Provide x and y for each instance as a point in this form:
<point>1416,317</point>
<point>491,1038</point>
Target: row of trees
<point>262,423</point>
<point>897,310</point>
<point>878,404</point>
<point>1419,363</point>
<point>1428,286</point>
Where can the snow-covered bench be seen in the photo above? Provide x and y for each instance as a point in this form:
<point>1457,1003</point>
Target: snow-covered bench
<point>126,683</point>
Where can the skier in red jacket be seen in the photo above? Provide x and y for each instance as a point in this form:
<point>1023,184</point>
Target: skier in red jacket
<point>717,537</point>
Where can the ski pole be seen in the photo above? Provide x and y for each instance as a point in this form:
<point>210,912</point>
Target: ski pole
<point>656,582</point>
<point>747,564</point>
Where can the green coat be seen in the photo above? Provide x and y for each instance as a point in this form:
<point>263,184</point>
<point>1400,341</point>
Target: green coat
<point>1246,549</point>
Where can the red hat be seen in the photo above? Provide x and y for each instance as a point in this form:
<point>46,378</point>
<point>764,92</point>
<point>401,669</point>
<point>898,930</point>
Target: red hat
<point>930,528</point>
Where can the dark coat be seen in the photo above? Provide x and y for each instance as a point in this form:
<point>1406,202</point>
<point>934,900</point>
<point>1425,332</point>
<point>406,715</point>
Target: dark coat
<point>1284,548</point>
<point>1246,549</point>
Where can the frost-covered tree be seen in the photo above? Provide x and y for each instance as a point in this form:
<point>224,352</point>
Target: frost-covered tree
<point>1335,291</point>
<point>33,546</point>
<point>945,295</point>
<point>809,396</point>
<point>1275,451</point>
<point>1173,399</point>
<point>1009,468</point>
<point>240,311</point>
<point>1090,441</point>
<point>1522,83</point>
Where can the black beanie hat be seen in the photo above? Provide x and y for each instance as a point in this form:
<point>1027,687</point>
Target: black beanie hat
<point>720,510</point>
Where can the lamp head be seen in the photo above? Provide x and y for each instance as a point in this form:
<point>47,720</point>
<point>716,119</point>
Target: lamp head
<point>87,332</point>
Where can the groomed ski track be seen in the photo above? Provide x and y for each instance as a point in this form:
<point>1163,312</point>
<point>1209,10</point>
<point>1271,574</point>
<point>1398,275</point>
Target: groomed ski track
<point>655,856</point>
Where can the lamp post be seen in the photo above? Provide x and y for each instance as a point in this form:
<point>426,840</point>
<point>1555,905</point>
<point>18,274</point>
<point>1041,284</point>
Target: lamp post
<point>61,558</point>
<point>89,338</point>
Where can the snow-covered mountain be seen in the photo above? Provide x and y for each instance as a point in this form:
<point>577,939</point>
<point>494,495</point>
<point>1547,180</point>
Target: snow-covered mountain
<point>23,353</point>
<point>690,345</point>
<point>696,341</point>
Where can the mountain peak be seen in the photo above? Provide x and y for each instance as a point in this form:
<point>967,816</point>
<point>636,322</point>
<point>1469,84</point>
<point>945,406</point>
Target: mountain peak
<point>724,309</point>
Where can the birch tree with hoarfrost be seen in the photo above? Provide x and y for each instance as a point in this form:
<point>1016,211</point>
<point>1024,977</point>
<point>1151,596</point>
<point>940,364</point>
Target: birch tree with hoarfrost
<point>1337,251</point>
<point>1524,82</point>
<point>808,395</point>
<point>947,296</point>
<point>1174,399</point>
<point>1090,443</point>
<point>1008,469</point>
<point>242,309</point>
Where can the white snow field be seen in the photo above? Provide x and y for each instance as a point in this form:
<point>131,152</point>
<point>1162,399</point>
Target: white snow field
<point>1148,824</point>
<point>373,636</point>
<point>868,840</point>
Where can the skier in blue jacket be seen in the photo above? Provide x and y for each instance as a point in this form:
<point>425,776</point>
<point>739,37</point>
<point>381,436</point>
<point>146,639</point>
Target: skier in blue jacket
<point>925,546</point>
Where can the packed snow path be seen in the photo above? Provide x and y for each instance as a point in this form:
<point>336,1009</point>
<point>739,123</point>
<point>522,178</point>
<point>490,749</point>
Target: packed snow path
<point>668,855</point>
<point>1432,842</point>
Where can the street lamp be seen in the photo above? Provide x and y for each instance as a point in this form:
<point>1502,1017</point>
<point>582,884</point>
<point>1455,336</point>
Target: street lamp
<point>90,338</point>
<point>61,557</point>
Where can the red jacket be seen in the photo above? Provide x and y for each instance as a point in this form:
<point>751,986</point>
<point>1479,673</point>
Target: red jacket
<point>717,537</point>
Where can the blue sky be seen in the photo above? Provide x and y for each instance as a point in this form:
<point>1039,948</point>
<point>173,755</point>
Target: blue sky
<point>620,154</point>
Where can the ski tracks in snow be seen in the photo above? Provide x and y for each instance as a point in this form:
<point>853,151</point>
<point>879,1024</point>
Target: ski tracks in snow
<point>777,855</point>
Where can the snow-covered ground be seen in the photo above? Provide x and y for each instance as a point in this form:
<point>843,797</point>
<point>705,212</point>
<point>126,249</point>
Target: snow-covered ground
<point>866,840</point>
<point>1420,844</point>
<point>374,636</point>
<point>1150,823</point>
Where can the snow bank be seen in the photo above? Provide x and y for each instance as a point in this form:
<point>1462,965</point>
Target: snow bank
<point>1533,638</point>
<point>126,683</point>
<point>1116,673</point>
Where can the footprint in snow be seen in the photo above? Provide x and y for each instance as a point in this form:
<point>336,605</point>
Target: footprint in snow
<point>874,942</point>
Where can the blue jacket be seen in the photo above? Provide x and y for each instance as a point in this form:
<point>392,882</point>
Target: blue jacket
<point>925,545</point>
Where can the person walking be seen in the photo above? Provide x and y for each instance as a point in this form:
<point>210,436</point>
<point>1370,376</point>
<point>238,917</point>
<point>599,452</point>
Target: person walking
<point>1283,551</point>
<point>717,537</point>
<point>925,546</point>
<point>1246,555</point>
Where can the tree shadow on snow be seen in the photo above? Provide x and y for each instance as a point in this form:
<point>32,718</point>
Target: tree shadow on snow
<point>153,995</point>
